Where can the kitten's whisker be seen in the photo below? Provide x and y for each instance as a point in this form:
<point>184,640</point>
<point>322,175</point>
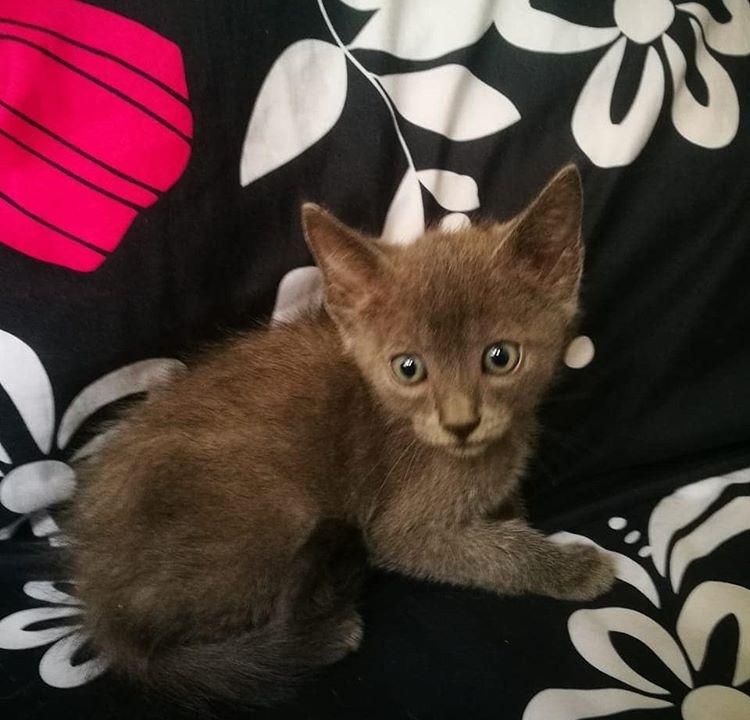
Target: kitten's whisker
<point>393,467</point>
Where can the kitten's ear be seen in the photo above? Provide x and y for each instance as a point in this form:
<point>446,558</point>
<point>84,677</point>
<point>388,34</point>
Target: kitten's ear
<point>353,266</point>
<point>546,239</point>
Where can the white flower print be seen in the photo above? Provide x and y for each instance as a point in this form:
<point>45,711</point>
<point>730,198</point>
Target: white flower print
<point>57,666</point>
<point>643,22</point>
<point>590,632</point>
<point>683,653</point>
<point>30,488</point>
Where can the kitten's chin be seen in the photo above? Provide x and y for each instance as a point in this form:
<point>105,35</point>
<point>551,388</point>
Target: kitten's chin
<point>467,450</point>
<point>459,450</point>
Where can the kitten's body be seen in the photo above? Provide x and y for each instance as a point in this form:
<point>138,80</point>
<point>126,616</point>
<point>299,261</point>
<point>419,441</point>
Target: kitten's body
<point>191,525</point>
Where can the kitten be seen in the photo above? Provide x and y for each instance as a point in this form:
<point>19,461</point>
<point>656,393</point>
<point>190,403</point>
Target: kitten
<point>219,536</point>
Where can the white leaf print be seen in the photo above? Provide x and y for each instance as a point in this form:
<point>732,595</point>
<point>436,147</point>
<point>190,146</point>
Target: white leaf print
<point>724,524</point>
<point>451,101</point>
<point>300,100</point>
<point>730,38</point>
<point>532,29</point>
<point>56,666</point>
<point>25,381</point>
<point>425,29</point>
<point>365,4</point>
<point>37,485</point>
<point>4,457</point>
<point>15,636</point>
<point>451,190</point>
<point>559,704</point>
<point>683,506</point>
<point>46,591</point>
<point>704,608</point>
<point>405,219</point>
<point>128,380</point>
<point>591,634</point>
<point>713,125</point>
<point>608,144</point>
<point>454,221</point>
<point>626,569</point>
<point>299,289</point>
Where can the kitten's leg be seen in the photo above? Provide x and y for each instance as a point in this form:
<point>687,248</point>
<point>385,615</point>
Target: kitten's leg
<point>322,591</point>
<point>504,557</point>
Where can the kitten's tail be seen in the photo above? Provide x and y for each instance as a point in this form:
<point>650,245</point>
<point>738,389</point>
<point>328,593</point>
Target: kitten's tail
<point>315,623</point>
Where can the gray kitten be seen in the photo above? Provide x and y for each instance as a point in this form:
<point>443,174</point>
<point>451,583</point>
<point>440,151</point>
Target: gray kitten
<point>219,537</point>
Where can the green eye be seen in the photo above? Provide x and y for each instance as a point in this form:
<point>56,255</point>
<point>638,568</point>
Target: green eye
<point>409,369</point>
<point>501,358</point>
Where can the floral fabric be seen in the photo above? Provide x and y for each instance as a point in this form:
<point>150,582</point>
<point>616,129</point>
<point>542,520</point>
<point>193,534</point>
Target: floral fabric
<point>153,158</point>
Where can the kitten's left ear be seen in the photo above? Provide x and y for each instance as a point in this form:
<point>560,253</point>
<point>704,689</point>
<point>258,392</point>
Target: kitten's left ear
<point>545,241</point>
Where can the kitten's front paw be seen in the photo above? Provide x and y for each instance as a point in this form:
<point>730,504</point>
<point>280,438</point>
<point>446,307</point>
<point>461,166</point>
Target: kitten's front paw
<point>586,573</point>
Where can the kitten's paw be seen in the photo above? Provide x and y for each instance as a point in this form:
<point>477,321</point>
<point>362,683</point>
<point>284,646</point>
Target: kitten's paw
<point>351,632</point>
<point>346,638</point>
<point>586,573</point>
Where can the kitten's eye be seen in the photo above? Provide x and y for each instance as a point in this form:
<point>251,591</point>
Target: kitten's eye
<point>409,369</point>
<point>501,358</point>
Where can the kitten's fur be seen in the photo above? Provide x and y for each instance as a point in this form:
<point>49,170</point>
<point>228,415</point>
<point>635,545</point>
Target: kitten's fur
<point>213,535</point>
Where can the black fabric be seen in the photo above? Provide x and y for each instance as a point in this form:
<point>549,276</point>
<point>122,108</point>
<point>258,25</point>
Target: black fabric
<point>665,402</point>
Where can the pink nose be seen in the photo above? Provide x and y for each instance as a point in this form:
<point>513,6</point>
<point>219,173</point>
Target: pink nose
<point>462,430</point>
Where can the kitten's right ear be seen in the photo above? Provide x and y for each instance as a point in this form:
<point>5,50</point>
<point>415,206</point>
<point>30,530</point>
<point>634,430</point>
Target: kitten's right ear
<point>352,265</point>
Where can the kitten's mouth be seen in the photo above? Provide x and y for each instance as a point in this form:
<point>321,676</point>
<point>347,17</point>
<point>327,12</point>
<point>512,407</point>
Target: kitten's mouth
<point>466,450</point>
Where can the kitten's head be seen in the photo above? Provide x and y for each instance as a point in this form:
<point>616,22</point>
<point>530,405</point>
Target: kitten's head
<point>459,332</point>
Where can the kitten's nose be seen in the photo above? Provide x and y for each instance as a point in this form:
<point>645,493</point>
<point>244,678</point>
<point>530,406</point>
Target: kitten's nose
<point>463,429</point>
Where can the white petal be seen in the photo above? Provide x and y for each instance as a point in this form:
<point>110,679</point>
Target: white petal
<point>626,569</point>
<point>454,221</point>
<point>704,608</point>
<point>611,144</point>
<point>37,485</point>
<point>299,290</point>
<point>58,540</point>
<point>716,702</point>
<point>724,524</point>
<point>4,457</point>
<point>128,380</point>
<point>43,524</point>
<point>451,101</point>
<point>25,381</point>
<point>643,21</point>
<point>47,592</point>
<point>300,100</point>
<point>15,636</point>
<point>524,26</point>
<point>55,667</point>
<point>713,125</point>
<point>365,4</point>
<point>425,29</point>
<point>729,38</point>
<point>9,530</point>
<point>405,219</point>
<point>559,704</point>
<point>591,634</point>
<point>453,191</point>
<point>94,445</point>
<point>683,506</point>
